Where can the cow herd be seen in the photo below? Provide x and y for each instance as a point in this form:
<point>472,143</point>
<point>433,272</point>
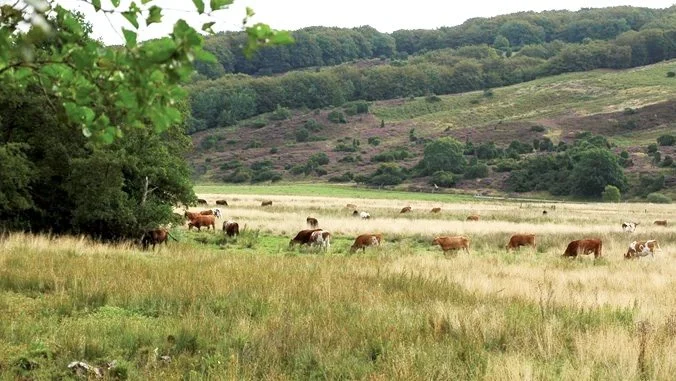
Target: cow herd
<point>317,237</point>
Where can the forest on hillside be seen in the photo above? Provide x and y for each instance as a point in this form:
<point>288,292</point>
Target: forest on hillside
<point>330,66</point>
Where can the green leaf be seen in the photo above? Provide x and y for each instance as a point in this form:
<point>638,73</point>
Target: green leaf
<point>145,1</point>
<point>207,26</point>
<point>116,3</point>
<point>22,73</point>
<point>219,4</point>
<point>158,51</point>
<point>250,12</point>
<point>96,4</point>
<point>199,4</point>
<point>205,56</point>
<point>155,15</point>
<point>130,37</point>
<point>131,17</point>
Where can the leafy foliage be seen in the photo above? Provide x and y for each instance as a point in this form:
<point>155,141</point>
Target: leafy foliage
<point>611,193</point>
<point>444,154</point>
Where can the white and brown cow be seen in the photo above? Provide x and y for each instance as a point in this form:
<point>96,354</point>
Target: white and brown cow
<point>642,249</point>
<point>321,238</point>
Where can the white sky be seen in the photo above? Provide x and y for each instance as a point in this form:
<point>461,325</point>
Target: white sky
<point>384,15</point>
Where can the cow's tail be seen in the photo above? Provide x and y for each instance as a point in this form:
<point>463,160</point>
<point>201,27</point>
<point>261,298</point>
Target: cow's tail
<point>171,236</point>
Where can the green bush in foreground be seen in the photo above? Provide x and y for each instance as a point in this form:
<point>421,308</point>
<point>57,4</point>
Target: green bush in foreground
<point>659,198</point>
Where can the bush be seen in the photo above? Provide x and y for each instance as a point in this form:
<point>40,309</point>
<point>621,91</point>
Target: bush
<point>652,148</point>
<point>347,159</point>
<point>611,193</point>
<point>432,99</point>
<point>476,171</point>
<point>274,150</point>
<point>321,171</point>
<point>667,162</point>
<point>538,129</point>
<point>658,198</point>
<point>257,123</point>
<point>342,147</point>
<point>253,144</point>
<point>374,141</point>
<point>344,178</point>
<point>506,165</point>
<point>388,174</point>
<point>393,155</point>
<point>280,113</point>
<point>319,158</point>
<point>337,116</point>
<point>209,142</point>
<point>629,111</point>
<point>240,175</point>
<point>666,140</point>
<point>488,93</point>
<point>671,74</point>
<point>266,175</point>
<point>443,179</point>
<point>354,108</point>
<point>302,135</point>
<point>313,125</point>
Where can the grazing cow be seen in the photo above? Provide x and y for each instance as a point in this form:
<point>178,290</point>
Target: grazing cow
<point>321,238</point>
<point>519,240</point>
<point>365,240</point>
<point>312,222</point>
<point>351,206</point>
<point>155,236</point>
<point>200,221</point>
<point>303,237</point>
<point>584,246</point>
<point>642,249</point>
<point>201,201</point>
<point>231,228</point>
<point>215,212</point>
<point>266,203</point>
<point>355,213</point>
<point>191,215</point>
<point>364,215</point>
<point>473,217</point>
<point>406,209</point>
<point>435,210</point>
<point>221,202</point>
<point>629,227</point>
<point>452,243</point>
<point>544,212</point>
<point>660,222</point>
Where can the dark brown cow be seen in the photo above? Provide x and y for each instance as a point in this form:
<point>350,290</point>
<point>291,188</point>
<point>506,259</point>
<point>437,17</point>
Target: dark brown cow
<point>584,246</point>
<point>355,213</point>
<point>406,209</point>
<point>365,240</point>
<point>312,222</point>
<point>221,202</point>
<point>435,210</point>
<point>155,236</point>
<point>519,240</point>
<point>200,221</point>
<point>544,212</point>
<point>303,237</point>
<point>452,243</point>
<point>473,217</point>
<point>266,203</point>
<point>660,222</point>
<point>201,201</point>
<point>231,228</point>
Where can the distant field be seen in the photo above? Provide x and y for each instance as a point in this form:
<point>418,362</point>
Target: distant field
<point>579,93</point>
<point>325,190</point>
<point>214,307</point>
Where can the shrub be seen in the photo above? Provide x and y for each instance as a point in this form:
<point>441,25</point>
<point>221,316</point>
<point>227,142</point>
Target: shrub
<point>506,165</point>
<point>337,116</point>
<point>629,124</point>
<point>487,151</point>
<point>297,169</point>
<point>667,162</point>
<point>488,93</point>
<point>280,113</point>
<point>382,123</point>
<point>302,135</point>
<point>319,158</point>
<point>313,125</point>
<point>253,144</point>
<point>374,141</point>
<point>392,155</point>
<point>347,159</point>
<point>443,179</point>
<point>257,123</point>
<point>666,140</point>
<point>274,150</point>
<point>259,165</point>
<point>652,148</point>
<point>209,142</point>
<point>658,198</point>
<point>321,171</point>
<point>342,147</point>
<point>266,175</point>
<point>388,174</point>
<point>671,74</point>
<point>432,99</point>
<point>344,178</point>
<point>231,142</point>
<point>476,171</point>
<point>240,175</point>
<point>538,128</point>
<point>611,193</point>
<point>629,111</point>
<point>354,108</point>
<point>230,165</point>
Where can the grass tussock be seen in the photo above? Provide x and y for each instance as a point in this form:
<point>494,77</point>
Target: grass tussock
<point>250,307</point>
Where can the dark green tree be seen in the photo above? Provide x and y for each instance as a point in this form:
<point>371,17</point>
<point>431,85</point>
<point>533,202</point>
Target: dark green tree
<point>594,169</point>
<point>444,154</point>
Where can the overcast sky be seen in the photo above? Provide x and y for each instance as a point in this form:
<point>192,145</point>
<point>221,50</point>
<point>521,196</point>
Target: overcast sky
<point>384,15</point>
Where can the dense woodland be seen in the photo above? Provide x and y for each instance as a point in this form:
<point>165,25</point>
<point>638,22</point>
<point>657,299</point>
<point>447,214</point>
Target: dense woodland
<point>479,54</point>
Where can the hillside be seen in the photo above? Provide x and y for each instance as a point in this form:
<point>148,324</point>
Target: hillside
<point>630,107</point>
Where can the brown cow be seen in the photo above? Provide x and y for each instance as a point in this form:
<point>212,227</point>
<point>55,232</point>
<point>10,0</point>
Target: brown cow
<point>406,209</point>
<point>473,217</point>
<point>435,210</point>
<point>201,220</point>
<point>303,237</point>
<point>211,212</point>
<point>191,215</point>
<point>544,212</point>
<point>231,228</point>
<point>660,222</point>
<point>519,240</point>
<point>312,222</point>
<point>351,206</point>
<point>366,240</point>
<point>584,246</point>
<point>642,249</point>
<point>201,201</point>
<point>155,236</point>
<point>452,243</point>
<point>266,203</point>
<point>221,202</point>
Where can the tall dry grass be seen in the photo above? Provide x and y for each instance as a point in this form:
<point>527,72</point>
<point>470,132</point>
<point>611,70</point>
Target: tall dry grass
<point>253,309</point>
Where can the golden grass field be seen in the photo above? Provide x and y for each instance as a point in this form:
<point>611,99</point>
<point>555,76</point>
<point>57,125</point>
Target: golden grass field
<point>251,308</point>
